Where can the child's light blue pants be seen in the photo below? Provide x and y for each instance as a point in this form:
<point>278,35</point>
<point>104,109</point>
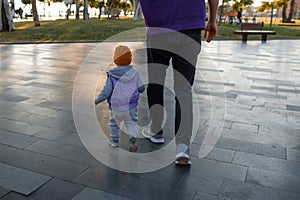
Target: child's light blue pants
<point>130,120</point>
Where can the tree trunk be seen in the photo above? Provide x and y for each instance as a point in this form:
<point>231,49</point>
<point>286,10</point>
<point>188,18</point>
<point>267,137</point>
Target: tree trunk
<point>292,6</point>
<point>12,8</point>
<point>109,11</point>
<point>284,13</point>
<point>137,10</point>
<point>77,2</point>
<point>3,25</point>
<point>6,18</point>
<point>68,11</point>
<point>35,13</point>
<point>85,10</point>
<point>13,4</point>
<point>100,12</point>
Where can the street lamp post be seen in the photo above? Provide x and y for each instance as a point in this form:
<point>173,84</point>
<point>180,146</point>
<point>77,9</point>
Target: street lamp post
<point>272,10</point>
<point>272,15</point>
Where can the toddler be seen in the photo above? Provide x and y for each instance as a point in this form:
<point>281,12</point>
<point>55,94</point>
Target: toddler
<point>121,90</point>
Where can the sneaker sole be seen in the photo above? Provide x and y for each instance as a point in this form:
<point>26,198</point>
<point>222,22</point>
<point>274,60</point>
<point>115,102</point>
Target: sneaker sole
<point>145,135</point>
<point>153,139</point>
<point>183,161</point>
<point>157,141</point>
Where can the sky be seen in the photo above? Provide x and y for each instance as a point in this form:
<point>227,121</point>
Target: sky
<point>257,3</point>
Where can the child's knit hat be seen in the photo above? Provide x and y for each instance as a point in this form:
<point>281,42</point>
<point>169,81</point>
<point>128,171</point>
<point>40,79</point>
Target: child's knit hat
<point>122,56</point>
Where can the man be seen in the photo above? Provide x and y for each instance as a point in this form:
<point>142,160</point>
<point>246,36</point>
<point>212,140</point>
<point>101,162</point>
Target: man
<point>179,41</point>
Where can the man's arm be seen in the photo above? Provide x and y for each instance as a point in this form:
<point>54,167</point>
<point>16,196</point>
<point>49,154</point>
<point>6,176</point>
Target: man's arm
<point>211,26</point>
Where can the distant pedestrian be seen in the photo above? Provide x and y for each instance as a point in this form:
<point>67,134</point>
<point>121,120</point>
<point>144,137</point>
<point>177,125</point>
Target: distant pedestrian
<point>21,13</point>
<point>121,90</point>
<point>239,17</point>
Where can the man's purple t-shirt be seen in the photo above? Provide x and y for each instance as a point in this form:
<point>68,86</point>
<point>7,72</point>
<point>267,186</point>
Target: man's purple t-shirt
<point>174,14</point>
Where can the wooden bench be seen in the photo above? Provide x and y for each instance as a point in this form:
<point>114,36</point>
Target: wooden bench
<point>253,29</point>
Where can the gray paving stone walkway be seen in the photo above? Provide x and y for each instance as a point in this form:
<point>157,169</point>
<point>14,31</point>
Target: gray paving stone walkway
<point>256,157</point>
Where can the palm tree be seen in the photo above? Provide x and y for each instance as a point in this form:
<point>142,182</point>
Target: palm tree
<point>278,4</point>
<point>85,10</point>
<point>264,6</point>
<point>35,13</point>
<point>292,6</point>
<point>137,9</point>
<point>68,5</point>
<point>112,7</point>
<point>237,4</point>
<point>6,19</point>
<point>283,4</point>
<point>77,3</point>
<point>124,6</point>
<point>99,5</point>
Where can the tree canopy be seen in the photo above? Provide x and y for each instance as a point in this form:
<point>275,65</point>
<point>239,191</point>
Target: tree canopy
<point>240,4</point>
<point>280,4</point>
<point>26,2</point>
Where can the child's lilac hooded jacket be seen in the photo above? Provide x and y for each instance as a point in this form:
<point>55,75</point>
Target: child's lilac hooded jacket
<point>122,88</point>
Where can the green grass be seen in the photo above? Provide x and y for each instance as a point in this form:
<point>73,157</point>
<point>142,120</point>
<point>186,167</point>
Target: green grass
<point>225,32</point>
<point>71,30</point>
<point>95,30</point>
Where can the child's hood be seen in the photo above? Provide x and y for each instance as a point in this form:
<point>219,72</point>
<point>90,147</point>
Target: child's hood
<point>123,74</point>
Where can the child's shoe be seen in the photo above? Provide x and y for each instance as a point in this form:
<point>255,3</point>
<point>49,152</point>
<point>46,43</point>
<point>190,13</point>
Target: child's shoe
<point>133,146</point>
<point>114,143</point>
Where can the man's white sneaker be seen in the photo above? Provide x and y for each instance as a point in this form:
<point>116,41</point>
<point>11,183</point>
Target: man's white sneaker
<point>182,155</point>
<point>155,138</point>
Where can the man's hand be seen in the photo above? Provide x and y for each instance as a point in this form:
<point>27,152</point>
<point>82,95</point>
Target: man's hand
<point>210,31</point>
<point>211,26</point>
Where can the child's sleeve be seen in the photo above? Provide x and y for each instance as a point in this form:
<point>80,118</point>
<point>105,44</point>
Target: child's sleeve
<point>141,86</point>
<point>106,92</point>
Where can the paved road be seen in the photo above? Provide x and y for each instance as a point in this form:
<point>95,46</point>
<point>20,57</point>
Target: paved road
<point>256,157</point>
